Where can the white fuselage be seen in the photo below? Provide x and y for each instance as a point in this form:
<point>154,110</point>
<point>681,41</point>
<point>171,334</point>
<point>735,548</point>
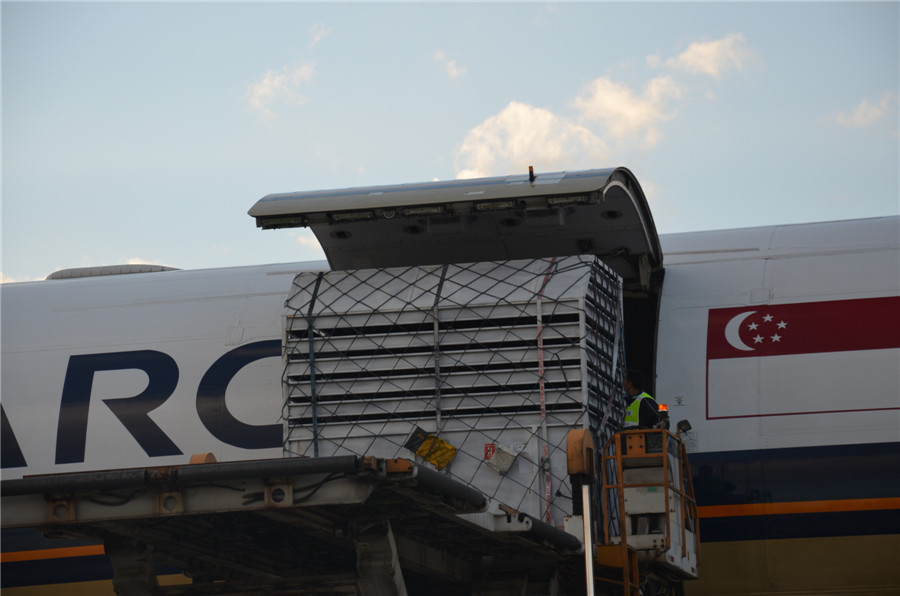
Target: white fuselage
<point>87,346</point>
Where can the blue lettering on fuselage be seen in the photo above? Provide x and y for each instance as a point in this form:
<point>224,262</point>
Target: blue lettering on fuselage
<point>10,452</point>
<point>211,406</point>
<point>133,412</point>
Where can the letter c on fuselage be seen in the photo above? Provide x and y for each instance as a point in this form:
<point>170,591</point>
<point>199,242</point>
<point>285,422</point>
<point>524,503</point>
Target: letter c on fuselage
<point>214,412</point>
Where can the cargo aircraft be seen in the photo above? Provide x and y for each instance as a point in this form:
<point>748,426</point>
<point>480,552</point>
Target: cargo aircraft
<point>780,345</point>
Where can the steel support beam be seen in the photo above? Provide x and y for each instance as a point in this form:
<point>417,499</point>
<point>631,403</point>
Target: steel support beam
<point>133,570</point>
<point>376,559</point>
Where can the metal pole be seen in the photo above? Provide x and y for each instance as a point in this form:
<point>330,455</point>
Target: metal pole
<point>312,365</point>
<point>588,541</point>
<point>438,381</point>
<point>545,451</point>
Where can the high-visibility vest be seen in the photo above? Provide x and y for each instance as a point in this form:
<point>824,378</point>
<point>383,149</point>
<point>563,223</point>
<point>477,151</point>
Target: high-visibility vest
<point>633,411</point>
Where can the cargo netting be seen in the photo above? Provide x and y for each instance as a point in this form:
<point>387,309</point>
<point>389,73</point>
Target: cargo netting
<point>478,369</point>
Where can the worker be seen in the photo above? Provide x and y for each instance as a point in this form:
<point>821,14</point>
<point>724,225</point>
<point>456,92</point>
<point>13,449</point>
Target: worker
<point>642,411</point>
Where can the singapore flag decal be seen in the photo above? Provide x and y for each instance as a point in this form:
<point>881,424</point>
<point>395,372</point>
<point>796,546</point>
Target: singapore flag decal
<point>801,358</point>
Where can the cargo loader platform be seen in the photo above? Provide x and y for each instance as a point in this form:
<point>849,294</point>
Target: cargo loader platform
<point>334,525</point>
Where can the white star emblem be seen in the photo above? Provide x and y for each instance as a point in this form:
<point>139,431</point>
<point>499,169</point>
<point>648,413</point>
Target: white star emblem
<point>782,325</point>
<point>776,337</point>
<point>752,326</point>
<point>768,318</point>
<point>758,339</point>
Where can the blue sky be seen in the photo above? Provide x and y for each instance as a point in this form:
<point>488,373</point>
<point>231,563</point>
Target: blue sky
<point>143,132</point>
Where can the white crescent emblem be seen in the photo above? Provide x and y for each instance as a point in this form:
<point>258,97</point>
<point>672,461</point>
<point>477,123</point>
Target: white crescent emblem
<point>733,331</point>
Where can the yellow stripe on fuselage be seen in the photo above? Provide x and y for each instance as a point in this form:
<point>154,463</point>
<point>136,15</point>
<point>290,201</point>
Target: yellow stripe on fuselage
<point>52,553</point>
<point>103,587</point>
<point>710,511</point>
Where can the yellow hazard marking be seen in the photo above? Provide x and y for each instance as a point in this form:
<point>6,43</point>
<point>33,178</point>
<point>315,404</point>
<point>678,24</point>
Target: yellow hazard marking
<point>436,451</point>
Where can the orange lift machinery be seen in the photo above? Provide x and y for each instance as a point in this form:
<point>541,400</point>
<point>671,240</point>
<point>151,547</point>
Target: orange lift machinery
<point>637,512</point>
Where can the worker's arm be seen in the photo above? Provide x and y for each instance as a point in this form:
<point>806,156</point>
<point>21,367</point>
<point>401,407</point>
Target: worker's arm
<point>648,415</point>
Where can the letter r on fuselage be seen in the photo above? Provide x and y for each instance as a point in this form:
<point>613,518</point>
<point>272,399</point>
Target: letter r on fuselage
<point>132,412</point>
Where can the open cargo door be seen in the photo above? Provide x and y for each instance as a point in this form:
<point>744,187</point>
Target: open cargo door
<point>601,212</point>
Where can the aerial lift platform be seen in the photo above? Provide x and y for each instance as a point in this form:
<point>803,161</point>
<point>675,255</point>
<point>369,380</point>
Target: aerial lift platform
<point>646,539</point>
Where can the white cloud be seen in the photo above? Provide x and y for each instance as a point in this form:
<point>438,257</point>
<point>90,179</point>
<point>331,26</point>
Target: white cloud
<point>609,117</point>
<point>454,70</point>
<point>521,135</point>
<point>284,87</point>
<point>308,242</point>
<point>624,114</point>
<point>713,58</point>
<point>140,261</point>
<point>5,279</point>
<point>866,113</point>
<point>319,32</point>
